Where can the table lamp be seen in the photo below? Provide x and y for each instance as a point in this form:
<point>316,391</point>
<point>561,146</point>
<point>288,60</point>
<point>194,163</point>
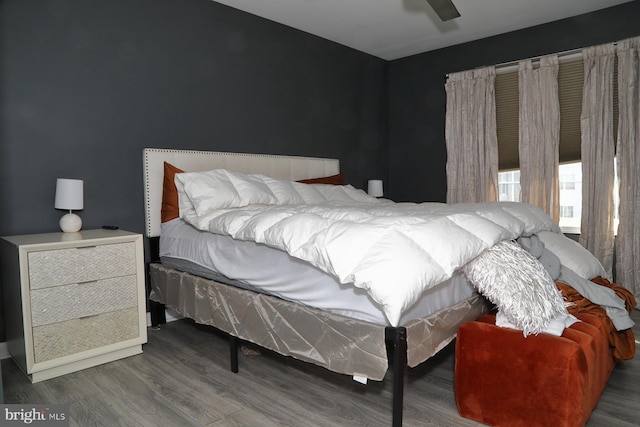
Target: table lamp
<point>375,188</point>
<point>70,196</point>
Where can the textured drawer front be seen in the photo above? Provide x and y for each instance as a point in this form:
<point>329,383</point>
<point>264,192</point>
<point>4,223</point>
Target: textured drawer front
<point>74,336</point>
<point>65,266</point>
<point>61,303</point>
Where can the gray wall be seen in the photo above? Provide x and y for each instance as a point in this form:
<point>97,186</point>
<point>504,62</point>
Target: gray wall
<point>86,85</point>
<point>417,99</point>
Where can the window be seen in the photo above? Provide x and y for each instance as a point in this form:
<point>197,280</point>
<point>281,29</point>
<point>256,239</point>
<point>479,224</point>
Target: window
<point>564,185</point>
<point>570,82</point>
<point>570,196</point>
<point>566,211</point>
<point>509,186</point>
<point>570,193</point>
<point>567,181</point>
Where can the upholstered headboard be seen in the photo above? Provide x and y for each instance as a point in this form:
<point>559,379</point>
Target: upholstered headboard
<point>281,167</point>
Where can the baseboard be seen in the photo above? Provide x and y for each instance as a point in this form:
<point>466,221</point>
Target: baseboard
<point>4,351</point>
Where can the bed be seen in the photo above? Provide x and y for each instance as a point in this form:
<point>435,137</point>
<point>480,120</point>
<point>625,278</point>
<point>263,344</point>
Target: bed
<point>359,335</point>
<point>347,345</point>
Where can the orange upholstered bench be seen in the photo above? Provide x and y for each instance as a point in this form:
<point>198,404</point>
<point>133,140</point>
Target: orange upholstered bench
<point>505,379</point>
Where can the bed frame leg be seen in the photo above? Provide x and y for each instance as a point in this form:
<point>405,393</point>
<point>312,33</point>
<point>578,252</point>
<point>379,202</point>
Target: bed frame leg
<point>397,340</point>
<point>233,349</point>
<point>158,315</point>
<point>156,309</point>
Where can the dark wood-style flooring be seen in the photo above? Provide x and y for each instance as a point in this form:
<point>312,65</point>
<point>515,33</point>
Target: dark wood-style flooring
<point>183,379</point>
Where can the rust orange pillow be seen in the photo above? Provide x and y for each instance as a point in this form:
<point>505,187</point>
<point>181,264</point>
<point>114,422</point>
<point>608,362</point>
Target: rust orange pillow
<point>337,179</point>
<point>170,208</point>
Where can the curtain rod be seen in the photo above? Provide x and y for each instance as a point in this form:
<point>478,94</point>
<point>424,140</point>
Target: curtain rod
<point>567,55</point>
<point>509,66</point>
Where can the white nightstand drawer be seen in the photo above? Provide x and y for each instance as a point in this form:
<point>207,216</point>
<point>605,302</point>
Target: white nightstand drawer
<point>61,303</point>
<point>78,335</point>
<point>82,264</point>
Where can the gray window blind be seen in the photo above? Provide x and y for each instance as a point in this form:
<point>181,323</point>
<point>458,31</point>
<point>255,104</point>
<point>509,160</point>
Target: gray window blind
<point>570,82</point>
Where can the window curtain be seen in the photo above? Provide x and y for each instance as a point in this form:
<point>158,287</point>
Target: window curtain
<point>470,132</point>
<point>539,134</point>
<point>628,240</point>
<point>597,152</point>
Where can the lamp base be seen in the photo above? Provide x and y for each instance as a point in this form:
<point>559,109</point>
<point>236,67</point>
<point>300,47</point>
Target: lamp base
<point>70,223</point>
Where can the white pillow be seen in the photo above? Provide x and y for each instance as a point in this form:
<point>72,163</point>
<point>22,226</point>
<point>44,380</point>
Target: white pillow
<point>344,193</point>
<point>284,191</point>
<point>309,193</point>
<point>219,189</point>
<point>532,216</point>
<point>572,255</point>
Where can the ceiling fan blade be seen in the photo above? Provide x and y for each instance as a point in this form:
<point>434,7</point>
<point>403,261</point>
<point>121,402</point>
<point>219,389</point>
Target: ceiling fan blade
<point>445,9</point>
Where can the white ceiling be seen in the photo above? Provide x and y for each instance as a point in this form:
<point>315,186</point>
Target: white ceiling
<point>391,29</point>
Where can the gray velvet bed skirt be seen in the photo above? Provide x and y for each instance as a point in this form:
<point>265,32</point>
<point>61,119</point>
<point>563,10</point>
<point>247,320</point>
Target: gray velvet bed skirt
<point>338,343</point>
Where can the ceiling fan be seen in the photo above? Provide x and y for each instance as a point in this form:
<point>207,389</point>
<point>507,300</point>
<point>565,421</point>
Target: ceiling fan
<point>445,9</point>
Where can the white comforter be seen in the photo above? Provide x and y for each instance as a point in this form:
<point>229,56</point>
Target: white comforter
<point>393,250</point>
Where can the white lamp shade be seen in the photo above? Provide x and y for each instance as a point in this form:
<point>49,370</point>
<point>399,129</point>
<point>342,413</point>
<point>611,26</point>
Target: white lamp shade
<point>375,188</point>
<point>69,194</point>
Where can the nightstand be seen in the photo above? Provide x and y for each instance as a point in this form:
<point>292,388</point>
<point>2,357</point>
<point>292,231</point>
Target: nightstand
<point>73,300</point>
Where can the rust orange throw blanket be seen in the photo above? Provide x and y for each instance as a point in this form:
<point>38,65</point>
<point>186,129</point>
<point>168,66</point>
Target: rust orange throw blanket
<point>622,343</point>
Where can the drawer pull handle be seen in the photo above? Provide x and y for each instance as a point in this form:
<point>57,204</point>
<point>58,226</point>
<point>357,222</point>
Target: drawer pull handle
<point>88,317</point>
<point>88,281</point>
<point>85,247</point>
